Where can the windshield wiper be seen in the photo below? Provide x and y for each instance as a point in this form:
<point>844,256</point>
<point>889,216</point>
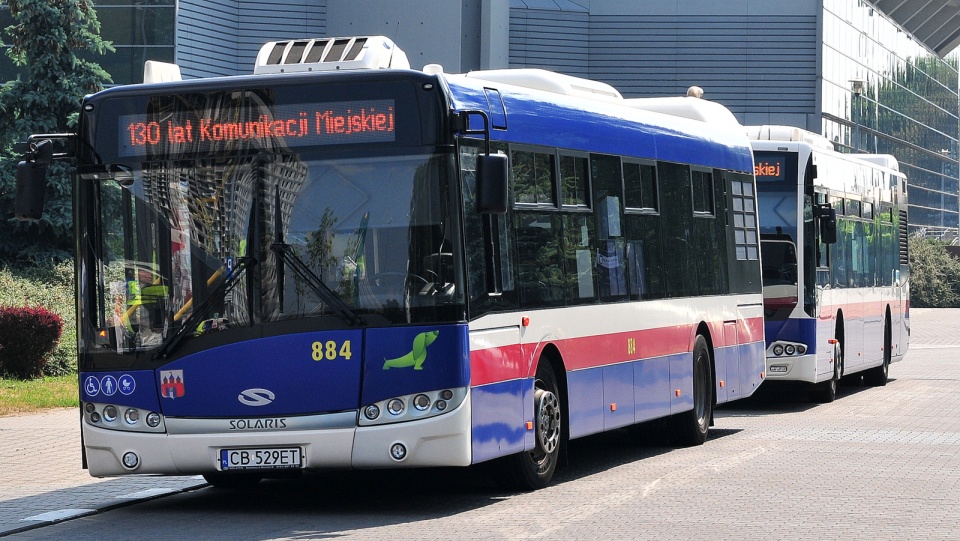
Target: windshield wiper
<point>202,310</point>
<point>322,290</point>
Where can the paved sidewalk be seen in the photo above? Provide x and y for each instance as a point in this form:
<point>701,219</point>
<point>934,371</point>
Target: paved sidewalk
<point>42,481</point>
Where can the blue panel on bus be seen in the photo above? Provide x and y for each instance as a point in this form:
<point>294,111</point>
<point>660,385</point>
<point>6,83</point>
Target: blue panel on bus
<point>802,330</point>
<point>135,388</point>
<point>498,419</point>
<point>279,375</point>
<point>652,379</point>
<point>618,395</point>
<point>585,390</point>
<point>406,360</point>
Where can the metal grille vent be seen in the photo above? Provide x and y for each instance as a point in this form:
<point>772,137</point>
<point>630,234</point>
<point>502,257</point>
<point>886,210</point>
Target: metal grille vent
<point>329,54</point>
<point>904,239</point>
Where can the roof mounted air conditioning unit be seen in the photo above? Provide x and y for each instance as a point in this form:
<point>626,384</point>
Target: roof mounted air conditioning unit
<point>330,54</point>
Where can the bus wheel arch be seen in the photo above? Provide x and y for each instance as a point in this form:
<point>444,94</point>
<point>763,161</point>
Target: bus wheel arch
<point>838,335</point>
<point>825,392</point>
<point>533,469</point>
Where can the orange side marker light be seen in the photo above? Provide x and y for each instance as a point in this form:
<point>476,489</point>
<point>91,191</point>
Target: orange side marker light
<point>613,407</point>
<point>678,392</point>
<point>529,425</point>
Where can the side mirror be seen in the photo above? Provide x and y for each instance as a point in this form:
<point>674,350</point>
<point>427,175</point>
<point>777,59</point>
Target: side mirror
<point>32,181</point>
<point>828,224</point>
<point>492,175</point>
<point>31,186</point>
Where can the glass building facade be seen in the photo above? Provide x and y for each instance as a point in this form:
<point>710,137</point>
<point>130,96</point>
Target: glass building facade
<point>139,30</point>
<point>882,92</point>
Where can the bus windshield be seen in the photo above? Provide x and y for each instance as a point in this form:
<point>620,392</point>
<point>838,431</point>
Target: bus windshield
<point>204,246</point>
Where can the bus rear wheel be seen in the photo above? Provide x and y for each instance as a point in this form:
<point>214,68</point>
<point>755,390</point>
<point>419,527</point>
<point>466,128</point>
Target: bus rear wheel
<point>691,427</point>
<point>877,377</point>
<point>532,470</point>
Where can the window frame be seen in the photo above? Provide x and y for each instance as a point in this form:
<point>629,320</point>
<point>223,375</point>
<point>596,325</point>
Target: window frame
<point>640,163</point>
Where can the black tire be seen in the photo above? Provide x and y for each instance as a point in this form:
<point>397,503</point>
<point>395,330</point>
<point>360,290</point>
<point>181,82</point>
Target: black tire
<point>825,392</point>
<point>233,481</point>
<point>532,470</point>
<point>878,376</point>
<point>692,427</point>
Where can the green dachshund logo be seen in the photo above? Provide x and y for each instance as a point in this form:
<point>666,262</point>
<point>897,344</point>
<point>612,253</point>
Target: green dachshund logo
<point>416,356</point>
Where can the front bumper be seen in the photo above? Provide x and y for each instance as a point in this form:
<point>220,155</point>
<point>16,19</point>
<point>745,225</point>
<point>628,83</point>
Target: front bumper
<point>444,440</point>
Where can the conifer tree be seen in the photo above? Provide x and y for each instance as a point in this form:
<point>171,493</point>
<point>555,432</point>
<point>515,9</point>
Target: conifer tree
<point>53,42</point>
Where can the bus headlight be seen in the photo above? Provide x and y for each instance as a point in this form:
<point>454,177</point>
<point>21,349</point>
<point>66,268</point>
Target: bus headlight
<point>110,413</point>
<point>131,416</point>
<point>421,402</point>
<point>412,407</point>
<point>787,348</point>
<point>130,420</point>
<point>395,406</point>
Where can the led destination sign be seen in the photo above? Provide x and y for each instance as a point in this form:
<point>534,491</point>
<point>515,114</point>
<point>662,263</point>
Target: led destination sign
<point>203,131</point>
<point>770,168</point>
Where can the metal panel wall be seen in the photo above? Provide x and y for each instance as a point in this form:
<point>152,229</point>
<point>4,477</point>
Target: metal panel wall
<point>222,37</point>
<point>758,59</point>
<point>207,37</point>
<point>261,21</point>
<point>747,63</point>
<point>550,39</point>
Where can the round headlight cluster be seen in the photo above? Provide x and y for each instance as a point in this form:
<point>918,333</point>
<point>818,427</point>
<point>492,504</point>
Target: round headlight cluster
<point>411,407</point>
<point>119,418</point>
<point>789,349</point>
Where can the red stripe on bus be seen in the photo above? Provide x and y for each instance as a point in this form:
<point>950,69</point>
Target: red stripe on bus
<point>504,363</point>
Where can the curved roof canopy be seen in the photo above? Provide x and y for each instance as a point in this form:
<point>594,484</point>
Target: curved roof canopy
<point>936,23</point>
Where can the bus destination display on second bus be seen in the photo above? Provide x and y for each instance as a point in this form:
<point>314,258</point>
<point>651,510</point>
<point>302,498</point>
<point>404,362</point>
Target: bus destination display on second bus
<point>200,131</point>
<point>769,168</point>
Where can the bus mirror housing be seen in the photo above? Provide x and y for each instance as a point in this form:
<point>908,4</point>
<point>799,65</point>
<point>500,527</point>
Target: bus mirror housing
<point>492,184</point>
<point>492,169</point>
<point>32,181</point>
<point>828,224</point>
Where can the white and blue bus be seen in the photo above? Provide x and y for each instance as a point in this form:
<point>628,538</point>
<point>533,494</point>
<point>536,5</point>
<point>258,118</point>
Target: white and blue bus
<point>331,265</point>
<point>833,231</point>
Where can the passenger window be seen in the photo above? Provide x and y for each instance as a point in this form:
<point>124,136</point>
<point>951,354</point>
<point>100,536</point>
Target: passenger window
<point>533,178</point>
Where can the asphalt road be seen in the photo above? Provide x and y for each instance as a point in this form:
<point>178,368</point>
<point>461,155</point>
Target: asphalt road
<point>878,463</point>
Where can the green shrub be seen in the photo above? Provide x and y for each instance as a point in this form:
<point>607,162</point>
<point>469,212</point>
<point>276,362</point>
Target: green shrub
<point>49,286</point>
<point>934,275</point>
<point>27,336</point>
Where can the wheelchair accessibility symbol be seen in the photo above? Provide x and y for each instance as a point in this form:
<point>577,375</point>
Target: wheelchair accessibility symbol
<point>91,386</point>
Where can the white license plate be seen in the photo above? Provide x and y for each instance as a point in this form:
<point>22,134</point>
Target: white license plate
<point>254,459</point>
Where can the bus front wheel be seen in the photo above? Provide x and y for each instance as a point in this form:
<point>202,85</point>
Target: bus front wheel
<point>531,470</point>
<point>826,392</point>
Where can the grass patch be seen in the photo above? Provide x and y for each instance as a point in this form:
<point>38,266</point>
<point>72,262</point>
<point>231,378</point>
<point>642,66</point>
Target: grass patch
<point>26,396</point>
